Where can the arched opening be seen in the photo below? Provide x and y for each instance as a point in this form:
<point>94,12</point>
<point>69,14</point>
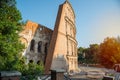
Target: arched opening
<point>39,46</point>
<point>38,62</point>
<point>45,50</point>
<point>31,61</point>
<point>32,45</point>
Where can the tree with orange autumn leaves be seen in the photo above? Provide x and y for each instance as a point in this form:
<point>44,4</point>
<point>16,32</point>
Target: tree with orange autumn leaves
<point>109,52</point>
<point>106,54</point>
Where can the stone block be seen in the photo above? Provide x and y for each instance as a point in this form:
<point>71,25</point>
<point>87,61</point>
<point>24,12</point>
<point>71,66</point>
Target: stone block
<point>108,78</point>
<point>10,75</point>
<point>57,74</point>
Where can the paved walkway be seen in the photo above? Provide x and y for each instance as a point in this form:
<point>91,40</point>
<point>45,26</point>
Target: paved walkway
<point>91,73</point>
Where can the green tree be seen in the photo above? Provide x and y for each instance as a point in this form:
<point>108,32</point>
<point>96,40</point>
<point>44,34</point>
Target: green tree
<point>10,45</point>
<point>90,53</point>
<point>109,52</point>
<point>10,26</point>
<point>81,57</point>
<point>30,68</point>
<point>93,50</point>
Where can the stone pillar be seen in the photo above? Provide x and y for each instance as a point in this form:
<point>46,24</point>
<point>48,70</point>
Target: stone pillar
<point>57,74</point>
<point>10,75</point>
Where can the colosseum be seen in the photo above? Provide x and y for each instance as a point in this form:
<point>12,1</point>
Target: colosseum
<point>57,48</point>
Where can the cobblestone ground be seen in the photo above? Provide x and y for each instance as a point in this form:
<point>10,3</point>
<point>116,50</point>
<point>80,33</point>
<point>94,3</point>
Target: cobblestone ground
<point>92,73</point>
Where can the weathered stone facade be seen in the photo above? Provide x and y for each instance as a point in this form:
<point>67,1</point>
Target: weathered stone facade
<point>63,46</point>
<point>57,48</point>
<point>37,39</point>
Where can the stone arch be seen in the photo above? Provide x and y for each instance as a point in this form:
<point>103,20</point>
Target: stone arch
<point>39,46</point>
<point>32,45</point>
<point>45,50</point>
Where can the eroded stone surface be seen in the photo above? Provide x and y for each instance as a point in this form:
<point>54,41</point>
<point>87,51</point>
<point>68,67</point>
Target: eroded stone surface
<point>56,48</point>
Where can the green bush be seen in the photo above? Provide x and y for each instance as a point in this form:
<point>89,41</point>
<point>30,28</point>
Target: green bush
<point>30,68</point>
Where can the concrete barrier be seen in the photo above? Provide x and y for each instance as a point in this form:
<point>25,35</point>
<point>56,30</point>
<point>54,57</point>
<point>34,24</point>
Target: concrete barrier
<point>10,75</point>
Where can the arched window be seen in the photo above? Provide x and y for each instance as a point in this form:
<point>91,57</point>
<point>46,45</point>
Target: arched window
<point>38,62</point>
<point>32,45</point>
<point>39,46</point>
<point>45,50</point>
<point>31,61</point>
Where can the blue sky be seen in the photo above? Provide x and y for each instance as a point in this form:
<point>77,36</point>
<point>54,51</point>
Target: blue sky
<point>95,19</point>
